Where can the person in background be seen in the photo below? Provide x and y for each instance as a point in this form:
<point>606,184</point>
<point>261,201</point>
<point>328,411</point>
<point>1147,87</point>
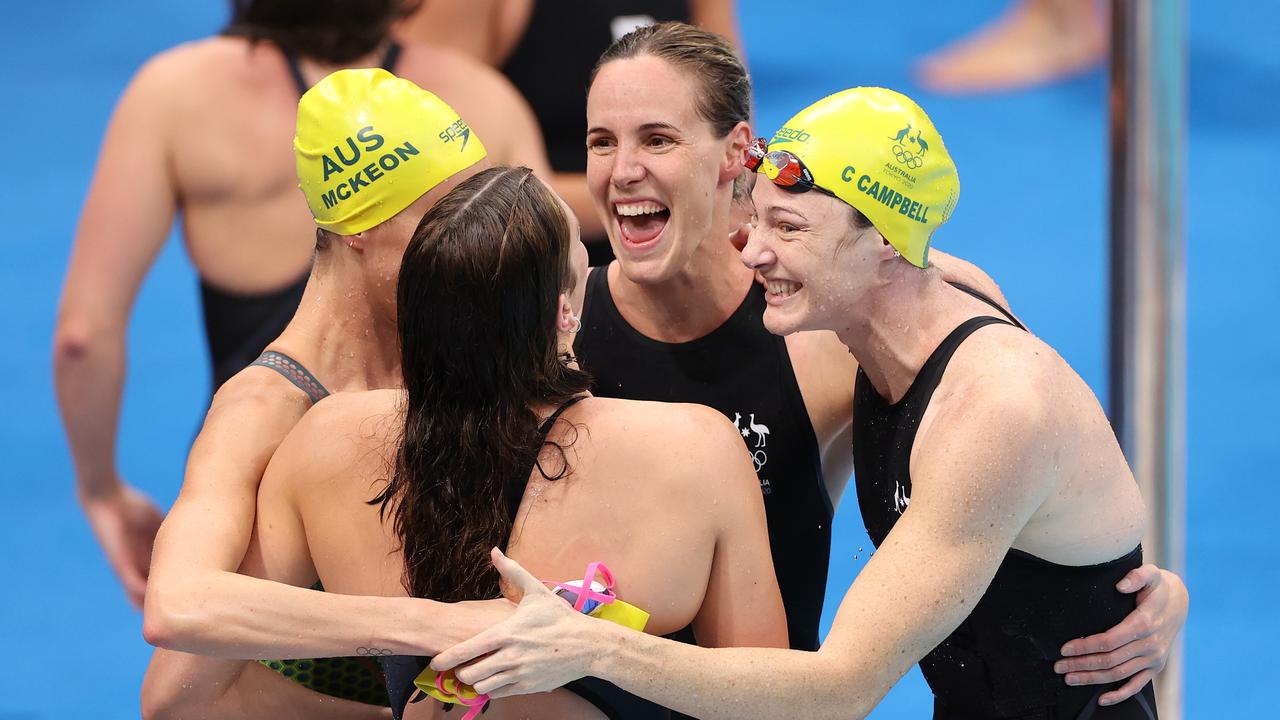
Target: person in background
<point>203,133</point>
<point>525,39</point>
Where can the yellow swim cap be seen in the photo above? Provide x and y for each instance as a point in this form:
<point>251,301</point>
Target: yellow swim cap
<point>369,144</point>
<point>877,150</point>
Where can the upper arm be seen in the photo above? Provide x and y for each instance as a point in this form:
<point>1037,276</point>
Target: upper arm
<point>306,459</point>
<point>129,208</point>
<point>742,606</point>
<point>210,525</point>
<point>972,494</point>
<point>521,135</point>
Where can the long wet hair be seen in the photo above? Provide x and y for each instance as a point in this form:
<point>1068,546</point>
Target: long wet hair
<point>724,97</point>
<point>331,31</point>
<point>478,299</point>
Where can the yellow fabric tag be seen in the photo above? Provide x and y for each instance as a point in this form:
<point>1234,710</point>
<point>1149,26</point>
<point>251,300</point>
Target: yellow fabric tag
<point>624,614</point>
<point>618,612</point>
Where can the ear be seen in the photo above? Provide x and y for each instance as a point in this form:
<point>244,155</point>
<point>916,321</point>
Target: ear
<point>355,242</point>
<point>737,141</point>
<point>887,251</point>
<point>566,321</point>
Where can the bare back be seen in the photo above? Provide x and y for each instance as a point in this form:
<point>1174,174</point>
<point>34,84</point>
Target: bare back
<point>661,493</point>
<point>229,108</point>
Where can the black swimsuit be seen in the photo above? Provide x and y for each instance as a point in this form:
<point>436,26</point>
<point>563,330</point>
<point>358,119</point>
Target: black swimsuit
<point>999,662</point>
<point>745,372</point>
<point>238,326</point>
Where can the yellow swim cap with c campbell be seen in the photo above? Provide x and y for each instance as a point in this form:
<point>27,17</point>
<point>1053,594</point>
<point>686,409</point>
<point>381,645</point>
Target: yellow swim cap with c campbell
<point>369,144</point>
<point>879,152</point>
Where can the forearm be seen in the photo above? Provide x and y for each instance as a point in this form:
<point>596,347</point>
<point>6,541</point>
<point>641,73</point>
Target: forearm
<point>89,377</point>
<point>178,685</point>
<point>731,683</point>
<point>224,614</point>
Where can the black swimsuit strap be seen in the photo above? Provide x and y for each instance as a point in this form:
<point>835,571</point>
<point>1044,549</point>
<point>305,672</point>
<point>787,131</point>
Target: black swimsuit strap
<point>295,70</point>
<point>970,291</point>
<point>517,485</point>
<point>294,372</point>
<point>390,57</point>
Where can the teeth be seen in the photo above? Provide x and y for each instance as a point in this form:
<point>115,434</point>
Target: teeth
<point>638,208</point>
<point>783,287</point>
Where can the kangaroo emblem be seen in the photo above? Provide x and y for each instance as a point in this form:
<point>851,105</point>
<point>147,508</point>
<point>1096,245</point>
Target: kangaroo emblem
<point>903,133</point>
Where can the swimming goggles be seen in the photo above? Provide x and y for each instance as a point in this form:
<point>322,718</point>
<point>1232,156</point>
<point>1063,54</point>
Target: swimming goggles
<point>782,167</point>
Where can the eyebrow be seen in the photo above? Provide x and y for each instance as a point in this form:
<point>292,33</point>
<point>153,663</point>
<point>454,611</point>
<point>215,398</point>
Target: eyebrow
<point>643,128</point>
<point>774,209</point>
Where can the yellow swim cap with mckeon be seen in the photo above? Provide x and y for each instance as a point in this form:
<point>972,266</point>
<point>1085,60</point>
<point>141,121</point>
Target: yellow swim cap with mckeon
<point>369,144</point>
<point>879,152</point>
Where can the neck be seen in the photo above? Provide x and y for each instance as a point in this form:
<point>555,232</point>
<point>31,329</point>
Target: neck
<point>691,303</point>
<point>896,326</point>
<point>338,332</point>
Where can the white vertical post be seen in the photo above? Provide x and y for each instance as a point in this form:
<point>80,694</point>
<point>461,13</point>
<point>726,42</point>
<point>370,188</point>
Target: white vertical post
<point>1148,276</point>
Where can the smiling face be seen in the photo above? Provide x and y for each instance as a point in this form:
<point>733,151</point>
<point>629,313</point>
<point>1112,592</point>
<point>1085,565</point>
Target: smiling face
<point>660,179</point>
<point>814,262</point>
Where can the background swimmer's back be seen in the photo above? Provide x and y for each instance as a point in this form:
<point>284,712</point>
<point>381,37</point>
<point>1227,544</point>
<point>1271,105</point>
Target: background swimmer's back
<point>224,111</point>
<point>662,493</point>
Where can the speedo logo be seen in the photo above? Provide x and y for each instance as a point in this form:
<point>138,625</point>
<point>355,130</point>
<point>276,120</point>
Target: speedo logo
<point>369,142</point>
<point>458,129</point>
<point>787,134</point>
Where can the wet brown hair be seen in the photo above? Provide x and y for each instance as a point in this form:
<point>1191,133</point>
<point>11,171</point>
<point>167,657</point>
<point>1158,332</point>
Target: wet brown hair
<point>478,300</point>
<point>332,31</point>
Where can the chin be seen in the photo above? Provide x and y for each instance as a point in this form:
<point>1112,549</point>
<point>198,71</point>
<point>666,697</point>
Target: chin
<point>781,323</point>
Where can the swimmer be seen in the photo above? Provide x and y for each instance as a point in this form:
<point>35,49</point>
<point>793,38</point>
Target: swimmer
<point>522,38</point>
<point>678,318</point>
<point>202,132</point>
<point>342,338</point>
<point>988,476</point>
<point>1035,42</point>
<point>494,440</point>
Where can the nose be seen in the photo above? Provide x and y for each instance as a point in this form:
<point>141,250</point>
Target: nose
<point>628,167</point>
<point>756,253</point>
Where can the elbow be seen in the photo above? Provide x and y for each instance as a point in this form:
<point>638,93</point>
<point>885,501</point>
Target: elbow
<point>171,622</point>
<point>79,337</point>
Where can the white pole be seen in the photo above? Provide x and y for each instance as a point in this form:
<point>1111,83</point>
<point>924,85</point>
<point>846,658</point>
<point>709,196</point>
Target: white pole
<point>1148,276</point>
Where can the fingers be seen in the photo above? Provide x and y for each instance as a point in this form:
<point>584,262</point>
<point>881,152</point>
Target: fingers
<point>515,574</point>
<point>1133,628</point>
<point>1146,576</point>
<point>1110,674</point>
<point>483,669</point>
<point>500,685</point>
<point>468,650</point>
<point>1128,690</point>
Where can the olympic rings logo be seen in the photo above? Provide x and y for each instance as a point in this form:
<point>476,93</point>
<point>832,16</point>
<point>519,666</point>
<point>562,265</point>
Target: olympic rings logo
<point>906,157</point>
<point>372,652</point>
<point>759,458</point>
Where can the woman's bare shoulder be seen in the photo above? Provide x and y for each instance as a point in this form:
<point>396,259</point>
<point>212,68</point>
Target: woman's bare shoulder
<point>341,432</point>
<point>672,437</point>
